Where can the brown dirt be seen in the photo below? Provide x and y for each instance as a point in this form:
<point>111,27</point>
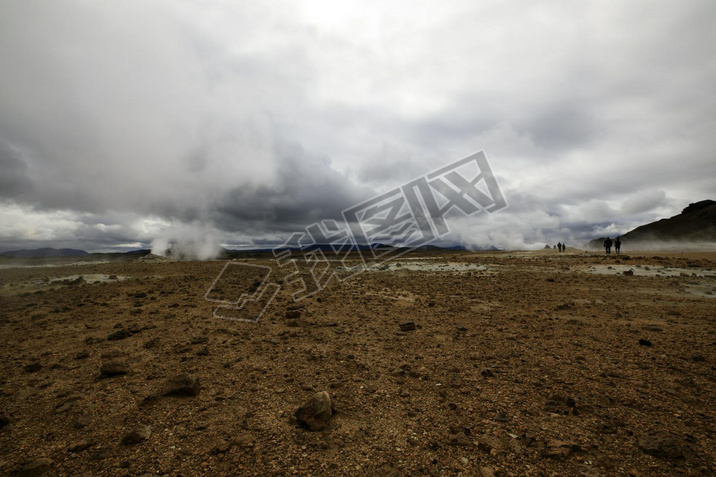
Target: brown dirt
<point>520,363</point>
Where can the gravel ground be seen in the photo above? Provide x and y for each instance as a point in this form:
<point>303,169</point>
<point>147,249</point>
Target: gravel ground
<point>517,364</point>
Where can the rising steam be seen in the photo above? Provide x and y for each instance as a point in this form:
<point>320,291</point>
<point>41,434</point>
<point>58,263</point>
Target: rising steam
<point>187,242</point>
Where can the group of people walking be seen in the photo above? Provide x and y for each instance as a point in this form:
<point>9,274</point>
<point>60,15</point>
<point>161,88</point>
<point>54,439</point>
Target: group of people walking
<point>562,247</point>
<point>617,245</point>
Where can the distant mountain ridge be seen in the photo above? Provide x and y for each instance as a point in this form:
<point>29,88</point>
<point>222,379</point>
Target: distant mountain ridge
<point>695,224</point>
<point>46,252</point>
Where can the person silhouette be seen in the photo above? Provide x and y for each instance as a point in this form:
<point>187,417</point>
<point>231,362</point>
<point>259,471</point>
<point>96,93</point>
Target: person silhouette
<point>564,247</point>
<point>617,245</point>
<point>608,245</point>
<point>559,246</point>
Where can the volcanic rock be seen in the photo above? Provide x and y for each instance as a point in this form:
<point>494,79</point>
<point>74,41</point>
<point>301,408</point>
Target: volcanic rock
<point>113,368</point>
<point>137,435</point>
<point>181,385</point>
<point>662,445</point>
<point>316,412</point>
<point>36,467</point>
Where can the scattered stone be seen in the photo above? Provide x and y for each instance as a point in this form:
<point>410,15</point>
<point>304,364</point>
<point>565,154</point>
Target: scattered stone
<point>407,326</point>
<point>36,467</point>
<point>137,435</point>
<point>113,368</point>
<point>629,273</point>
<point>81,422</point>
<point>199,340</point>
<point>90,340</point>
<point>653,328</point>
<point>464,461</point>
<point>219,447</point>
<point>181,385</point>
<point>662,445</point>
<point>698,358</point>
<point>502,417</point>
<point>4,419</point>
<point>316,412</point>
<point>32,367</point>
<point>204,351</point>
<point>79,446</point>
<point>82,355</point>
<point>458,438</point>
<point>487,472</point>
<point>293,314</point>
<point>560,405</point>
<point>643,342</point>
<point>152,343</point>
<point>119,335</point>
<point>558,449</point>
<point>487,373</point>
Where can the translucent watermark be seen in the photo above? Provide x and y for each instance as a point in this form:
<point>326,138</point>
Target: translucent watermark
<point>377,230</point>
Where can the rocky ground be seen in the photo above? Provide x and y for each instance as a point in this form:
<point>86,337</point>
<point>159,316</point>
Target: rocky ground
<point>530,363</point>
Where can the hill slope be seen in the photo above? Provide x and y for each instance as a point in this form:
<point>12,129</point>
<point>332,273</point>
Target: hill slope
<point>695,224</point>
<point>45,253</point>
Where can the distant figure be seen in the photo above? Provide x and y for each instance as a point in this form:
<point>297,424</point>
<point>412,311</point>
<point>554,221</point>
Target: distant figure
<point>617,245</point>
<point>559,246</point>
<point>608,245</point>
<point>564,247</point>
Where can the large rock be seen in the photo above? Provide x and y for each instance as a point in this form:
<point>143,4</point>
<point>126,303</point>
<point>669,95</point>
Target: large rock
<point>113,368</point>
<point>316,412</point>
<point>181,385</point>
<point>36,467</point>
<point>137,435</point>
<point>662,445</point>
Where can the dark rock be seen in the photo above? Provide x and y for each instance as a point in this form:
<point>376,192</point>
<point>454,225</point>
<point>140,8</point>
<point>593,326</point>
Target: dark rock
<point>81,422</point>
<point>119,335</point>
<point>204,351</point>
<point>316,412</point>
<point>698,358</point>
<point>643,342</point>
<point>4,419</point>
<point>36,467</point>
<point>487,373</point>
<point>502,417</point>
<point>90,340</point>
<point>407,326</point>
<point>181,385</point>
<point>459,438</point>
<point>199,340</point>
<point>113,369</point>
<point>32,367</point>
<point>629,273</point>
<point>135,436</point>
<point>82,355</point>
<point>652,328</point>
<point>293,314</point>
<point>662,444</point>
<point>560,405</point>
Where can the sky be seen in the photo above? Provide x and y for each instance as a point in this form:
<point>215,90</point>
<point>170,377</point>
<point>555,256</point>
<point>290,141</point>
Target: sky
<point>124,124</point>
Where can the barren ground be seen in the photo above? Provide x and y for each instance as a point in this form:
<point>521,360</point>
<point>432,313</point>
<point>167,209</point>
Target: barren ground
<point>535,363</point>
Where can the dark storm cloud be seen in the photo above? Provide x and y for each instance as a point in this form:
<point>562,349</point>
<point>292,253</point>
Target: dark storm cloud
<point>304,191</point>
<point>15,177</point>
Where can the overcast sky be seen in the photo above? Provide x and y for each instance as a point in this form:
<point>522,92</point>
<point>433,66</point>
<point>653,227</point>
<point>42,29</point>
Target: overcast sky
<point>126,122</point>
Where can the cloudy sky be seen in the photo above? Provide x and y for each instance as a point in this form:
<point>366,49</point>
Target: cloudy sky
<point>123,123</point>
